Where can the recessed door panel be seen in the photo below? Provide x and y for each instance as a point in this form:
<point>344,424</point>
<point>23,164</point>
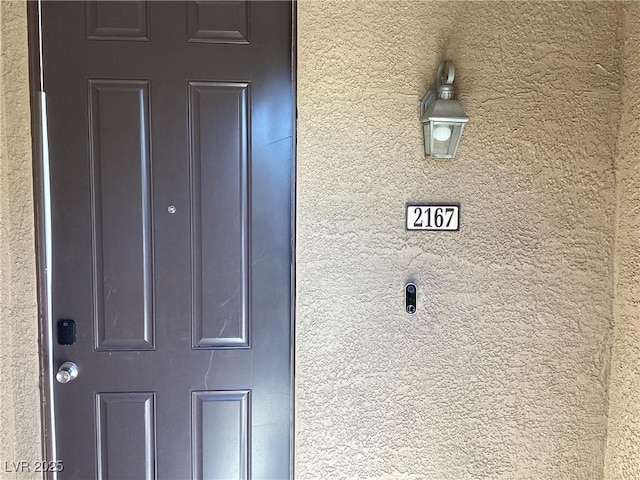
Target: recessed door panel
<point>125,436</point>
<point>120,166</point>
<point>120,20</point>
<point>221,435</point>
<point>220,213</point>
<point>215,21</point>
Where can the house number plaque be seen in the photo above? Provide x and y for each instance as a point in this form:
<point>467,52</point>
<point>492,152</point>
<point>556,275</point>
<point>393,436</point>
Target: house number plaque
<point>433,216</point>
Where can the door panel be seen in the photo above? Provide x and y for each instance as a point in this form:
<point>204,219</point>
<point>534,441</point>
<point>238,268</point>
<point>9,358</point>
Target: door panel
<point>218,22</point>
<point>220,207</point>
<point>122,21</point>
<point>120,169</point>
<point>125,431</point>
<point>170,142</point>
<point>221,432</point>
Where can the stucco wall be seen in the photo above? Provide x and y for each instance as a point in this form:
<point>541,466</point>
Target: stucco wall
<point>19,391</point>
<point>623,441</point>
<point>502,373</point>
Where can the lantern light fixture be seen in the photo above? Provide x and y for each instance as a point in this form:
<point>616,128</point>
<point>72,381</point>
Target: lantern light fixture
<point>443,119</point>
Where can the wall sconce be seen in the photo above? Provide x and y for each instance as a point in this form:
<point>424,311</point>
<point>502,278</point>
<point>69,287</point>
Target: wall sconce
<point>443,119</point>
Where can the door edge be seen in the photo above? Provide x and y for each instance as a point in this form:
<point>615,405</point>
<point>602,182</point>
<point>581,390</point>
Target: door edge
<point>39,206</point>
<point>294,203</point>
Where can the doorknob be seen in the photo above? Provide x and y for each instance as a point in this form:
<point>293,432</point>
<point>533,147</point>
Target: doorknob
<point>68,371</point>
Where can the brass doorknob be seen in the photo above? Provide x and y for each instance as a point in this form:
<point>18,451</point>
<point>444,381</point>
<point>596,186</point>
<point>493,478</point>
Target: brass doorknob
<point>68,371</point>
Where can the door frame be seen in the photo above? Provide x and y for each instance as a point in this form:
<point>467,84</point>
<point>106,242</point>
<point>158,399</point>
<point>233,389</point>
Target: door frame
<point>43,231</point>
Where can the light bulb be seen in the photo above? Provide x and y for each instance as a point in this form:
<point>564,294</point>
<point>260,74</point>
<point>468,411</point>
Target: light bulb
<point>442,133</point>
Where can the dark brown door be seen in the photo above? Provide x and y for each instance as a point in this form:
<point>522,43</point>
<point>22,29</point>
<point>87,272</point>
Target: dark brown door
<point>170,142</point>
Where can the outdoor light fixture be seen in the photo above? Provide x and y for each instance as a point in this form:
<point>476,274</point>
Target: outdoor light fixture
<point>443,119</point>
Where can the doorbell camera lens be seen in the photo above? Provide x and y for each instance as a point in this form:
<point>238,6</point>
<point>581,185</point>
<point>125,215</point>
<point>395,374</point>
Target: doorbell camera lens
<point>411,289</point>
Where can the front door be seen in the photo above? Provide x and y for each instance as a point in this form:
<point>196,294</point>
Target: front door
<point>170,128</point>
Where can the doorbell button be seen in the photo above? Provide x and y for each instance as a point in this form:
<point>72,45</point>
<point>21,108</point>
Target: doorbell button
<point>410,294</point>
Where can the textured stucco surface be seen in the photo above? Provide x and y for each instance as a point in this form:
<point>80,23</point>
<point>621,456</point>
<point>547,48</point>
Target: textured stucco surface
<point>19,388</point>
<point>502,373</point>
<point>623,440</point>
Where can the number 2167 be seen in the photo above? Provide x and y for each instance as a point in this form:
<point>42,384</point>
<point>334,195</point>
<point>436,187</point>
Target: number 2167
<point>433,217</point>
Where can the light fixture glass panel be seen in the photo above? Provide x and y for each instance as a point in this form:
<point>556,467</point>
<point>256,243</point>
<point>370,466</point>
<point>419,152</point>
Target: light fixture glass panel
<point>444,138</point>
<point>426,128</point>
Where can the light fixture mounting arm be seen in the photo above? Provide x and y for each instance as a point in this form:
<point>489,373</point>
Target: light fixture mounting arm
<point>445,66</point>
<point>444,85</point>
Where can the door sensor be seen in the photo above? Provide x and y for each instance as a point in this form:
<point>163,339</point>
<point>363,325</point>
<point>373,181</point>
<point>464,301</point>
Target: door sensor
<point>410,298</point>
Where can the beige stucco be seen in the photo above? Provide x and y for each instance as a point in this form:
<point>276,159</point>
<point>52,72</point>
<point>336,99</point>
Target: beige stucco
<point>623,441</point>
<point>19,391</point>
<point>503,372</point>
